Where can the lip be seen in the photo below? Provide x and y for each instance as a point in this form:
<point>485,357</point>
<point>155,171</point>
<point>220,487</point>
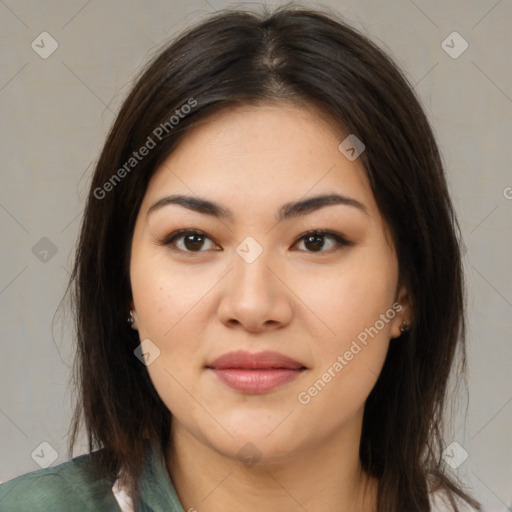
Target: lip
<point>255,373</point>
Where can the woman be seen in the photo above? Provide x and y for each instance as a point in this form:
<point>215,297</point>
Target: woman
<point>270,212</point>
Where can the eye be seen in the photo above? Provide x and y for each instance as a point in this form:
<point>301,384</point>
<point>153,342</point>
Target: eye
<point>192,240</point>
<point>315,240</point>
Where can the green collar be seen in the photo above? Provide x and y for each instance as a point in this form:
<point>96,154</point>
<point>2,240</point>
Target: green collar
<point>157,490</point>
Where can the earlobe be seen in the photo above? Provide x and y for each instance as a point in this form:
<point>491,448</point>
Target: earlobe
<point>132,318</point>
<point>404,327</point>
<point>403,320</point>
<point>400,327</point>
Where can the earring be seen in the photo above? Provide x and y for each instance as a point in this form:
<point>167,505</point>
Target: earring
<point>130,319</point>
<point>404,327</point>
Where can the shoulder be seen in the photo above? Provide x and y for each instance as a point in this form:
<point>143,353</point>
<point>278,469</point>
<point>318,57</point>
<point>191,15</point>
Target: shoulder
<point>72,485</point>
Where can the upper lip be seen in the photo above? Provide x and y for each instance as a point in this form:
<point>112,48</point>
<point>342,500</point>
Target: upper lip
<point>258,360</point>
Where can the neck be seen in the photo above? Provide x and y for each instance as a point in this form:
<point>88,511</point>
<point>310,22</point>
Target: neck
<point>323,478</point>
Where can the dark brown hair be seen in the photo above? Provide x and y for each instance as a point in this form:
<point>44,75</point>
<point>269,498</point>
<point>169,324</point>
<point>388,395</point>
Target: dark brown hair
<point>302,57</point>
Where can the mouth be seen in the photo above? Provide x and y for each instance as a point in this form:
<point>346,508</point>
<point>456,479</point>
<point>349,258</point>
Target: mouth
<point>255,373</point>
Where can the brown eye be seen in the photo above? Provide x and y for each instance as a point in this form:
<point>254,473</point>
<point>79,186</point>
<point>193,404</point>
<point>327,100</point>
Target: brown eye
<point>193,241</point>
<point>187,240</point>
<point>315,241</point>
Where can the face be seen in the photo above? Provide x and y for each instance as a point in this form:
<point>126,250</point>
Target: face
<point>313,284</point>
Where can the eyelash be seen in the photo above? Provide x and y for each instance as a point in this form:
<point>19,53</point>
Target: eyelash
<point>340,240</point>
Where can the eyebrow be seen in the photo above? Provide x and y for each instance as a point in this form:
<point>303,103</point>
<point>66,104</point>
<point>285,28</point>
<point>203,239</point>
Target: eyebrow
<point>287,210</point>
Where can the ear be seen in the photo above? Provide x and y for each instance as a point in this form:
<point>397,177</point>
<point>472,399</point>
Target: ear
<point>403,308</point>
<point>133,312</point>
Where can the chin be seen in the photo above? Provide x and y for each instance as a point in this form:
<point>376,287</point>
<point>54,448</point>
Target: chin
<point>260,422</point>
<point>261,431</point>
<point>250,450</point>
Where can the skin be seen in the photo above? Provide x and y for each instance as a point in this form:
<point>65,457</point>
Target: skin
<point>307,304</point>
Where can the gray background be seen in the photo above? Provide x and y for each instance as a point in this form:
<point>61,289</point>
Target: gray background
<point>55,116</point>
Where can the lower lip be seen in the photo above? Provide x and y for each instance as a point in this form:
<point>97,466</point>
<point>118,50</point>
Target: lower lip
<point>256,381</point>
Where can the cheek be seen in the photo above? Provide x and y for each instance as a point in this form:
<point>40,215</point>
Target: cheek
<point>170,304</point>
<point>166,295</point>
<point>355,303</point>
<point>353,296</point>
<point>347,370</point>
<point>170,321</point>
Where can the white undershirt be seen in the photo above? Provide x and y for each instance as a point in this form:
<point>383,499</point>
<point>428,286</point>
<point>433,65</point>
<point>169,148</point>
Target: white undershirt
<point>125,502</point>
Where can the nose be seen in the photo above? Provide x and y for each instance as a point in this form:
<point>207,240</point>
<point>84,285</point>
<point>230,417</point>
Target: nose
<point>255,297</point>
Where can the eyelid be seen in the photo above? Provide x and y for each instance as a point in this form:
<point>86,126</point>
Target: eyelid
<point>341,240</point>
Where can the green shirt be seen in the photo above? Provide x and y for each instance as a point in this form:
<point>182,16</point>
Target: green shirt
<point>75,486</point>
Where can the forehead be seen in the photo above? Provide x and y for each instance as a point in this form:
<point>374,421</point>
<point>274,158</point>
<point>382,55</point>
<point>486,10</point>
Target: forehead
<point>258,156</point>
